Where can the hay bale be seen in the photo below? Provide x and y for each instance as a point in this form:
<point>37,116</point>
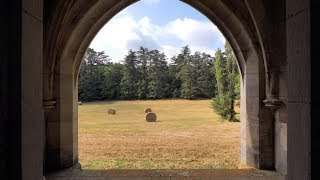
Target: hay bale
<point>151,117</point>
<point>147,110</point>
<point>79,103</point>
<point>112,111</point>
<point>237,103</point>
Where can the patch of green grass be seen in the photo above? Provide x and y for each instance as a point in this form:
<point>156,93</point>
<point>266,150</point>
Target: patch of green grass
<point>132,163</point>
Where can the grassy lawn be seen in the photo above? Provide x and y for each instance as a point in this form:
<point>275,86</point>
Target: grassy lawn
<point>187,135</point>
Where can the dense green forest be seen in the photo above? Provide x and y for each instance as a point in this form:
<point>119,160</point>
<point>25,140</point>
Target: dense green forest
<point>146,74</point>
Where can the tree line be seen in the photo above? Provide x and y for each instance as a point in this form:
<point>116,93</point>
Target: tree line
<point>146,74</point>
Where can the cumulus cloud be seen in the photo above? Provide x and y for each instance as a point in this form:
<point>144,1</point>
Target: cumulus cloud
<point>143,40</point>
<point>124,32</point>
<point>195,32</point>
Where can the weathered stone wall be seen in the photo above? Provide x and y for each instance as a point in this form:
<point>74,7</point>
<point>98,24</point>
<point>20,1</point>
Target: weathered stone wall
<point>299,83</point>
<point>21,115</point>
<point>315,87</point>
<point>32,121</point>
<point>69,30</point>
<point>71,27</point>
<point>279,67</point>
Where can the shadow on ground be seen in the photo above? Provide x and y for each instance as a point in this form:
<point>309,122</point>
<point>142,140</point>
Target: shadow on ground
<point>165,174</point>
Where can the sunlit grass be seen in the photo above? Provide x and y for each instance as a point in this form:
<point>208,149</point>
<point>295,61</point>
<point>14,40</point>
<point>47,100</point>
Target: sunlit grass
<point>187,134</point>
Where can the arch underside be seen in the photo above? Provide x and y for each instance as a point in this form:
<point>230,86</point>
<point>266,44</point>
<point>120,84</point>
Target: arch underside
<point>74,25</point>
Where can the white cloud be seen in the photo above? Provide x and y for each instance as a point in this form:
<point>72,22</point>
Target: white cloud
<point>124,32</point>
<point>170,50</point>
<point>195,32</point>
<point>202,49</point>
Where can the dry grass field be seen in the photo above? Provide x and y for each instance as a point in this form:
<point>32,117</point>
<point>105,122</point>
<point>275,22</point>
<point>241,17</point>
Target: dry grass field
<point>187,135</point>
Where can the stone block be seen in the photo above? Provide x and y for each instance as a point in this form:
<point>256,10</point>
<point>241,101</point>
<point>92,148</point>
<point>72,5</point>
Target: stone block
<point>66,133</point>
<point>299,140</point>
<point>252,158</point>
<point>34,8</point>
<point>298,35</point>
<point>283,136</point>
<point>295,7</point>
<point>252,85</point>
<point>252,136</point>
<point>252,63</point>
<point>253,108</point>
<point>32,161</point>
<point>32,122</point>
<point>299,79</point>
<point>53,133</point>
<point>243,151</point>
<point>298,51</point>
<point>281,114</point>
<point>260,11</point>
<point>283,84</point>
<point>281,147</point>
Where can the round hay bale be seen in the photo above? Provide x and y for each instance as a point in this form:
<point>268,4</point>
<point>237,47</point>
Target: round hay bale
<point>151,117</point>
<point>79,103</point>
<point>111,111</point>
<point>147,110</point>
<point>237,103</point>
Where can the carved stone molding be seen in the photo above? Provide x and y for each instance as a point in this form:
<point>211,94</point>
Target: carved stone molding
<point>49,105</point>
<point>272,103</point>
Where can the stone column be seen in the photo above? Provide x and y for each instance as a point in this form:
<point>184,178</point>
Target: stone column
<point>299,89</point>
<point>272,101</point>
<point>48,106</point>
<point>272,104</point>
<point>68,98</point>
<point>32,121</point>
<point>256,122</point>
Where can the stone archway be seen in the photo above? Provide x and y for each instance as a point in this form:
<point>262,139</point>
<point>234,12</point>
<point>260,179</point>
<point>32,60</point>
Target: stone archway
<point>70,27</point>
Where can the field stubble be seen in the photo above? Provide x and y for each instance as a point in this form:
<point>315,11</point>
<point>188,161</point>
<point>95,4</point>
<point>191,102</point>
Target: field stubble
<point>187,135</point>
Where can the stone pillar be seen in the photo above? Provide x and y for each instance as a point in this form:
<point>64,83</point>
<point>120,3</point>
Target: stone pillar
<point>275,102</point>
<point>62,129</point>
<point>51,127</point>
<point>272,104</point>
<point>315,88</point>
<point>257,143</point>
<point>32,121</point>
<point>67,135</point>
<point>75,121</point>
<point>299,89</point>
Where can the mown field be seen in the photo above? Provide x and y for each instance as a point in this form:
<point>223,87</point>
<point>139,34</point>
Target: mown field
<point>187,135</point>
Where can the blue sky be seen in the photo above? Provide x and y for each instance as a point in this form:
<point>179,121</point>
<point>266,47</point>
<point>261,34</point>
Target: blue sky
<point>166,25</point>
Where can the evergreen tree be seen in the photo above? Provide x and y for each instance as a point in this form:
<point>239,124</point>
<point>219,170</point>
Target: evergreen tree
<point>91,75</point>
<point>174,83</point>
<point>112,75</point>
<point>157,85</point>
<point>129,80</point>
<point>233,79</point>
<point>146,74</point>
<point>189,78</point>
<point>143,57</point>
<point>220,101</point>
<point>186,74</point>
<point>204,75</point>
<point>227,79</point>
